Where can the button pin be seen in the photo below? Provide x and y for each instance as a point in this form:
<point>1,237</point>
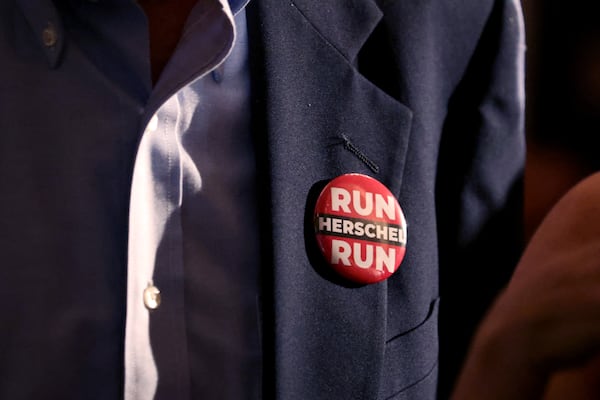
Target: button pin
<point>360,228</point>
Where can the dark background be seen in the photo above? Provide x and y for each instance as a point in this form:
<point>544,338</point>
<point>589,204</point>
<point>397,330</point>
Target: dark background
<point>563,100</point>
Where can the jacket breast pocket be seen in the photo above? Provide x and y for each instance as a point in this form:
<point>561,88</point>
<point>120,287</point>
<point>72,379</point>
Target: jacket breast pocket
<point>410,361</point>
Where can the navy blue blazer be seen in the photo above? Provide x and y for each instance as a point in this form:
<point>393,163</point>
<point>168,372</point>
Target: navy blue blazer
<point>430,94</point>
<point>424,96</point>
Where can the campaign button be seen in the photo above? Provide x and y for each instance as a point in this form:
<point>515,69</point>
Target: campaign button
<point>360,228</point>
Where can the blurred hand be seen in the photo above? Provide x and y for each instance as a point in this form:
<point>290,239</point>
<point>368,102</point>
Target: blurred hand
<point>548,318</point>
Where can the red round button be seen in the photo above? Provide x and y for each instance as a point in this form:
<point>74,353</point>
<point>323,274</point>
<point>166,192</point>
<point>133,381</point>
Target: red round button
<point>360,228</point>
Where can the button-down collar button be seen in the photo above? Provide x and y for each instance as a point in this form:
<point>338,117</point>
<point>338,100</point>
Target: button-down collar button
<point>49,36</point>
<point>151,297</point>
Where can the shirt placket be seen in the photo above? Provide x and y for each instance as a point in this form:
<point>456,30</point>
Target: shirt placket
<point>156,364</point>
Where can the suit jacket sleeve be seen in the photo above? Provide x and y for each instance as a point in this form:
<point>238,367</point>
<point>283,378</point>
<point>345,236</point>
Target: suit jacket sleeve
<point>479,191</point>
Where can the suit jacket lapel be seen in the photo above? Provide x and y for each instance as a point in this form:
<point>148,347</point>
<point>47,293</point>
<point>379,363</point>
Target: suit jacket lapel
<point>345,24</point>
<point>322,119</point>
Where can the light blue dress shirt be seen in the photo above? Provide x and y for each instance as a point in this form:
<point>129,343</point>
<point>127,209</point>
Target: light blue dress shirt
<point>193,203</point>
<point>111,186</point>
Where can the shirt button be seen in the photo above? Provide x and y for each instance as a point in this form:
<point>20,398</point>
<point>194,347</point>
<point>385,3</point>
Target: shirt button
<point>152,124</point>
<point>151,297</point>
<point>49,36</point>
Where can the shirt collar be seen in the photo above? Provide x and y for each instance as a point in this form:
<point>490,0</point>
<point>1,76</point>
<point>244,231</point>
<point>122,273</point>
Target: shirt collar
<point>237,5</point>
<point>47,25</point>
